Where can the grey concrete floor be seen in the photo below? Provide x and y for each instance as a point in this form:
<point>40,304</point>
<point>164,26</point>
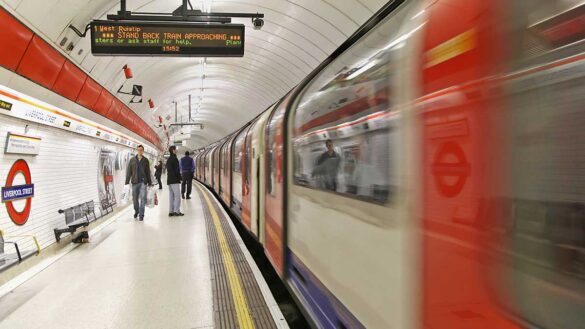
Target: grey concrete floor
<point>151,274</point>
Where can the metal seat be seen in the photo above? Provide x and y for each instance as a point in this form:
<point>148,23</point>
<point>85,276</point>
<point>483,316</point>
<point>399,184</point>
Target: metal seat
<point>76,217</point>
<point>8,260</point>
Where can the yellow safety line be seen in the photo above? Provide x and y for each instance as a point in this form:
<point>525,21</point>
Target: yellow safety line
<point>242,308</point>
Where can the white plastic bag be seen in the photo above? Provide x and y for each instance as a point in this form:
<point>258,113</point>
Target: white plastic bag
<point>151,197</point>
<point>125,195</point>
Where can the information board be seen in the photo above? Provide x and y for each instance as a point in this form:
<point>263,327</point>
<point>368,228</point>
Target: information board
<point>22,144</point>
<point>167,39</point>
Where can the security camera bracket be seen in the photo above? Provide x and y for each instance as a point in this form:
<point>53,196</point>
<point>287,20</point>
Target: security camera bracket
<point>183,13</point>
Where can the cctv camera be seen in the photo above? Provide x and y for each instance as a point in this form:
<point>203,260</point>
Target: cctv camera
<point>258,23</point>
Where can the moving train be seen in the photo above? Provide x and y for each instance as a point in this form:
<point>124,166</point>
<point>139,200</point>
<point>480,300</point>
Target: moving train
<point>429,174</point>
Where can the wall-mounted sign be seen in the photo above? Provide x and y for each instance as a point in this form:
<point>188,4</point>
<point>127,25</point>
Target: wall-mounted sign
<point>167,39</point>
<point>28,108</point>
<point>10,192</point>
<point>22,144</point>
<point>5,105</point>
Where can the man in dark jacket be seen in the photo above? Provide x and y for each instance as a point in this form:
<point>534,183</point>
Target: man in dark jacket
<point>138,172</point>
<point>174,182</point>
<point>328,166</point>
<point>187,170</point>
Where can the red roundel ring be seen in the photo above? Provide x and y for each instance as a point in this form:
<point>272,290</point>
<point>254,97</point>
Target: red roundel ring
<point>460,169</point>
<point>20,166</point>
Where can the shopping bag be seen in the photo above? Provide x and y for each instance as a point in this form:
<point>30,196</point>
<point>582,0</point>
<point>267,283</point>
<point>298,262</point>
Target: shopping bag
<point>125,195</point>
<point>151,197</point>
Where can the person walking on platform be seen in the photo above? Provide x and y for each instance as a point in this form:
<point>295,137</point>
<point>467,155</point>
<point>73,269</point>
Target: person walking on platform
<point>158,173</point>
<point>187,171</point>
<point>174,182</point>
<point>138,173</point>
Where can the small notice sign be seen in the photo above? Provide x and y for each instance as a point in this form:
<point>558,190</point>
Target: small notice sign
<point>5,105</point>
<point>22,144</point>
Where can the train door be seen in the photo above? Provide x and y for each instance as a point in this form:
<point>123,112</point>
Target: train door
<point>246,180</point>
<point>208,168</point>
<point>200,166</point>
<point>221,166</point>
<point>257,181</point>
<point>216,167</point>
<point>462,149</point>
<point>204,164</point>
<point>542,207</point>
<point>237,167</point>
<point>211,165</point>
<point>226,171</point>
<point>274,225</point>
<point>196,160</point>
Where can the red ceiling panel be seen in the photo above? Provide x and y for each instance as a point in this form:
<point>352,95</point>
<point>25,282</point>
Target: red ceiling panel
<point>70,81</point>
<point>41,63</point>
<point>124,117</point>
<point>31,57</point>
<point>89,94</point>
<point>114,112</point>
<point>15,37</point>
<point>103,103</point>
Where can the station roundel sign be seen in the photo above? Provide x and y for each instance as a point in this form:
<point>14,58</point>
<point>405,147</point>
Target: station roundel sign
<point>10,193</point>
<point>450,169</point>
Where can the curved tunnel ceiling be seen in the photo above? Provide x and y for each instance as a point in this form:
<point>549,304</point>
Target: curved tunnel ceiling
<point>297,36</point>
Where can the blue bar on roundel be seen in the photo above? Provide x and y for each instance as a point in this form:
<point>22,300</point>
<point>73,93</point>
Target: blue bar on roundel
<point>17,192</point>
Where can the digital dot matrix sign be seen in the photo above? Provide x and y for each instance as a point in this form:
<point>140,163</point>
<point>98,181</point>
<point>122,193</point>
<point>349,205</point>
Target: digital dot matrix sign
<point>167,39</point>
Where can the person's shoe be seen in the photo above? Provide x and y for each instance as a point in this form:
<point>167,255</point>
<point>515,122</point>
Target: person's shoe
<point>179,214</point>
<point>172,214</point>
<point>141,219</point>
<point>135,215</point>
<point>188,197</point>
<point>183,196</point>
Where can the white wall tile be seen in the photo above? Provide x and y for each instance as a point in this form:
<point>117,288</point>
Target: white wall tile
<point>65,173</point>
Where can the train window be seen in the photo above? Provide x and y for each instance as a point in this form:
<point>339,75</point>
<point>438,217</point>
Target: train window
<point>345,124</point>
<point>545,282</point>
<point>238,152</point>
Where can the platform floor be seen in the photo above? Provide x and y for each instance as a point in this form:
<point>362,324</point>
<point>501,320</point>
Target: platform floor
<point>152,274</point>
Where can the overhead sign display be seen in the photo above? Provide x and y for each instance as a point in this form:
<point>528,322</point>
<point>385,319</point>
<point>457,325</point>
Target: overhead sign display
<point>11,192</point>
<point>167,39</point>
<point>22,144</point>
<point>28,108</point>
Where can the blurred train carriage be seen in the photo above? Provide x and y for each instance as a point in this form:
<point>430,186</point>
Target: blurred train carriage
<point>429,173</point>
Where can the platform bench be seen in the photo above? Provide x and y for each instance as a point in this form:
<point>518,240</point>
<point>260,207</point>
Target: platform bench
<point>75,217</point>
<point>8,260</point>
